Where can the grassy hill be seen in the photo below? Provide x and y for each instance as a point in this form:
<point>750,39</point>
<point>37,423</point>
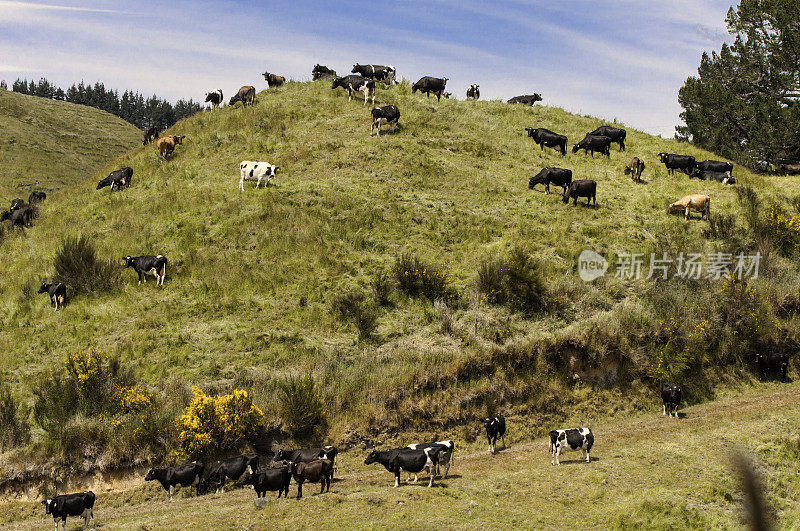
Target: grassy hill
<point>55,143</point>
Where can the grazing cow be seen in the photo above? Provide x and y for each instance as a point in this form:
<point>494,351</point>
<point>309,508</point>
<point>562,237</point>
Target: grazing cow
<point>273,80</point>
<point>430,85</point>
<point>671,397</point>
<point>697,202</point>
<point>719,176</point>
<point>36,197</point>
<point>268,480</point>
<point>528,99</point>
<point>215,98</point>
<point>684,163</point>
<point>790,169</point>
<point>320,72</point>
<point>413,461</point>
<point>591,143</point>
<point>388,114</point>
<point>150,135</point>
<point>79,504</point>
<point>119,178</point>
<point>715,165</point>
<point>473,92</point>
<point>246,94</point>
<point>354,84</point>
<point>614,133</point>
<point>574,439</point>
<point>378,73</point>
<point>148,264</point>
<point>495,428</point>
<point>57,292</point>
<point>581,188</point>
<point>557,176</point>
<point>232,468</point>
<point>256,171</point>
<point>445,454</point>
<point>635,169</point>
<point>447,95</point>
<point>320,470</point>
<point>167,145</point>
<point>22,217</point>
<point>16,204</point>
<point>545,137</point>
<point>773,361</point>
<point>189,475</point>
<point>307,455</point>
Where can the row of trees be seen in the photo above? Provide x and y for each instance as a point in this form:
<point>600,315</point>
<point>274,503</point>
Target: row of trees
<point>132,106</point>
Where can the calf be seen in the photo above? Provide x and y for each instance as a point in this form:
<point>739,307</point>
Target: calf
<point>268,480</point>
<point>591,143</point>
<point>167,145</point>
<point>320,72</point>
<point>671,398</point>
<point>447,95</point>
<point>574,439</point>
<point>354,84</point>
<point>430,85</point>
<point>320,470</point>
<point>246,94</point>
<point>378,73</point>
<point>715,165</point>
<point>148,264</point>
<point>473,92</point>
<point>273,80</point>
<point>232,468</point>
<point>215,98</point>
<point>528,99</point>
<point>557,176</point>
<point>635,169</point>
<point>57,292</point>
<point>150,135</point>
<point>307,455</point>
<point>495,428</point>
<point>256,171</point>
<point>79,504</point>
<point>388,114</point>
<point>189,475</point>
<point>36,197</point>
<point>119,178</point>
<point>772,362</point>
<point>445,454</point>
<point>581,188</point>
<point>697,202</point>
<point>616,134</point>
<point>22,217</point>
<point>399,459</point>
<point>545,137</point>
<point>684,163</point>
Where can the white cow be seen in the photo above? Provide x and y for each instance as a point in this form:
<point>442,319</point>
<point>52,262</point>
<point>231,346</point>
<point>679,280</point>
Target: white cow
<point>256,171</point>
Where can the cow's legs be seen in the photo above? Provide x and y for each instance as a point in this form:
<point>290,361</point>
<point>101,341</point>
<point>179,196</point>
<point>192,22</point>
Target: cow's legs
<point>397,479</point>
<point>558,452</point>
<point>170,491</point>
<point>299,489</point>
<point>664,410</point>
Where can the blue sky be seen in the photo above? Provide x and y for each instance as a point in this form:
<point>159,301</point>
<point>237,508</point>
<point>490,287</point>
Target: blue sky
<point>623,59</point>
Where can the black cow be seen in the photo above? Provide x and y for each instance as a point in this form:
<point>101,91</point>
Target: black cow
<point>545,137</point>
<point>635,169</point>
<point>36,197</point>
<point>320,470</point>
<point>573,439</point>
<point>495,428</point>
<point>246,94</point>
<point>150,135</point>
<point>57,292</point>
<point>22,217</point>
<point>445,453</point>
<point>400,459</point>
<point>614,133</point>
<point>148,264</point>
<point>719,176</point>
<point>79,504</point>
<point>557,176</point>
<point>388,114</point>
<point>684,163</point>
<point>189,475</point>
<point>430,85</point>
<point>772,361</point>
<point>269,480</point>
<point>232,468</point>
<point>307,455</point>
<point>715,165</point>
<point>591,143</point>
<point>581,188</point>
<point>528,99</point>
<point>473,92</point>
<point>16,204</point>
<point>319,72</point>
<point>354,84</point>
<point>215,98</point>
<point>379,73</point>
<point>671,398</point>
<point>119,178</point>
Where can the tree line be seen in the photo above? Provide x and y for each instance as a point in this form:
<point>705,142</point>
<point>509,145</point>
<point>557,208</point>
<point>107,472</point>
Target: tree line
<point>132,106</point>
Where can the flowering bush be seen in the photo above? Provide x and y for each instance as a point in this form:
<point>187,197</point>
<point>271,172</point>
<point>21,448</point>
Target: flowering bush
<point>419,279</point>
<point>132,399</point>
<point>784,231</point>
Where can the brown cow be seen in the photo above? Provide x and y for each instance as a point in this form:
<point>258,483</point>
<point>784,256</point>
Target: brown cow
<point>635,169</point>
<point>273,80</point>
<point>791,169</point>
<point>246,94</point>
<point>166,145</point>
<point>697,202</point>
<point>320,470</point>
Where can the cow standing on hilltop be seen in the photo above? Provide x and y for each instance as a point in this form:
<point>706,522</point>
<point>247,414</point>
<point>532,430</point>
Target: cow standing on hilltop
<point>377,73</point>
<point>320,72</point>
<point>150,135</point>
<point>430,85</point>
<point>473,92</point>
<point>616,134</point>
<point>353,84</point>
<point>528,99</point>
<point>246,94</point>
<point>273,80</point>
<point>214,98</point>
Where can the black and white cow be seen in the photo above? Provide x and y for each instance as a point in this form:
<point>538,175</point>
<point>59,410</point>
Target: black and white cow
<point>581,188</point>
<point>269,480</point>
<point>614,133</point>
<point>379,73</point>
<point>447,95</point>
<point>671,398</point>
<point>57,292</point>
<point>400,459</point>
<point>150,135</point>
<point>495,429</point>
<point>430,85</point>
<point>388,114</point>
<point>119,178</point>
<point>214,98</point>
<point>711,175</point>
<point>715,165</point>
<point>189,475</point>
<point>320,72</point>
<point>545,137</point>
<point>232,468</point>
<point>775,362</point>
<point>445,454</point>
<point>474,92</point>
<point>36,197</point>
<point>256,171</point>
<point>555,176</point>
<point>148,264</point>
<point>528,99</point>
<point>591,143</point>
<point>573,439</point>
<point>353,84</point>
<point>684,163</point>
<point>78,504</point>
<point>307,455</point>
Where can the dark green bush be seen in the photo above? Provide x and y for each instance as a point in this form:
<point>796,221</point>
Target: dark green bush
<point>382,287</point>
<point>352,307</point>
<point>418,279</point>
<point>515,281</point>
<point>301,406</point>
<point>14,430</point>
<point>78,267</point>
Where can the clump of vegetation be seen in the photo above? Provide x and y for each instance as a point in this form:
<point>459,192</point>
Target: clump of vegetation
<point>382,287</point>
<point>14,431</point>
<point>78,267</point>
<point>352,307</point>
<point>446,316</point>
<point>419,279</point>
<point>300,405</point>
<point>515,281</point>
<point>784,231</point>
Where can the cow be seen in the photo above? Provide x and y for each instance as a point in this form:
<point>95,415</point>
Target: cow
<point>413,461</point>
<point>772,361</point>
<point>671,398</point>
<point>78,504</point>
<point>445,454</point>
<point>545,137</point>
<point>715,165</point>
<point>388,114</point>
<point>150,135</point>
<point>573,439</point>
<point>120,178</point>
<point>684,163</point>
<point>697,202</point>
<point>57,292</point>
<point>148,264</point>
<point>354,84</point>
<point>307,455</point>
<point>189,475</point>
<point>166,145</point>
<point>36,197</point>
<point>268,480</point>
<point>616,134</point>
<point>719,176</point>
<point>557,176</point>
<point>256,171</point>
<point>215,98</point>
<point>273,80</point>
<point>320,470</point>
<point>447,95</point>
<point>430,85</point>
<point>790,169</point>
<point>246,94</point>
<point>22,217</point>
<point>320,72</point>
<point>528,99</point>
<point>378,73</point>
<point>591,143</point>
<point>232,468</point>
<point>16,204</point>
<point>581,188</point>
<point>474,92</point>
<point>495,428</point>
<point>635,169</point>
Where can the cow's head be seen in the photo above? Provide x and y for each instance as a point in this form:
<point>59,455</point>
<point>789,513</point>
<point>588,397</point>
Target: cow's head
<point>151,474</point>
<point>337,82</point>
<point>675,207</point>
<point>444,80</point>
<point>355,69</point>
<point>179,139</point>
<point>128,263</point>
<point>371,458</point>
<point>576,147</point>
<point>266,75</point>
<point>44,288</point>
<point>48,506</point>
<point>102,183</point>
<point>565,197</point>
<point>662,156</point>
<point>248,478</point>
<point>488,422</point>
<point>282,455</point>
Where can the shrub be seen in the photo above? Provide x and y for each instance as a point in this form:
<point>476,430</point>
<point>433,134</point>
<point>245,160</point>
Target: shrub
<point>97,379</point>
<point>78,267</point>
<point>446,316</point>
<point>515,281</point>
<point>55,401</point>
<point>783,230</point>
<point>14,430</point>
<point>382,287</point>
<point>300,405</point>
<point>418,279</point>
<point>721,226</point>
<point>351,307</point>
